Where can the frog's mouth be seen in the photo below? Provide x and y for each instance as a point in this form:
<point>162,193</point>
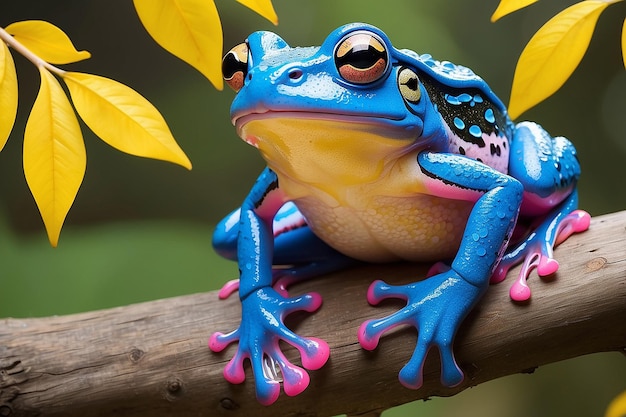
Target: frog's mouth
<point>381,126</point>
<point>320,147</point>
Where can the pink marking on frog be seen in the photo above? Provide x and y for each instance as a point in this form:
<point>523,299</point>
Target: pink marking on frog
<point>280,285</point>
<point>219,341</point>
<point>539,255</point>
<point>494,152</point>
<point>316,353</point>
<point>533,205</point>
<point>437,268</point>
<point>228,289</point>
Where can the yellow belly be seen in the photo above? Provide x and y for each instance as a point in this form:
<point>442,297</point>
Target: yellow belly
<point>417,228</point>
<point>359,187</point>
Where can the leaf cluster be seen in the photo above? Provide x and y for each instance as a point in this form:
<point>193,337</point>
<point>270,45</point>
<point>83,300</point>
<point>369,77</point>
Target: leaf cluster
<point>54,156</point>
<point>54,152</point>
<point>554,52</point>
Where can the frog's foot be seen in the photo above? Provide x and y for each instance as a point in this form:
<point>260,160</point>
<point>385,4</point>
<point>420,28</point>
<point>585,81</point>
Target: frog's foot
<point>262,328</point>
<point>537,252</point>
<point>435,307</point>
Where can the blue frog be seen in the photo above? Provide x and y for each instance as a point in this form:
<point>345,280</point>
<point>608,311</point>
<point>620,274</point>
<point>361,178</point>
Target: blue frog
<point>379,154</point>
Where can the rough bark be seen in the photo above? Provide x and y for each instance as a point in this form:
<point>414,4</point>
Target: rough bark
<point>152,358</point>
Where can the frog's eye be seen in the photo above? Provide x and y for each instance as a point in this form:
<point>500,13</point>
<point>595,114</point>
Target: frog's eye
<point>235,66</point>
<point>409,85</point>
<point>361,58</point>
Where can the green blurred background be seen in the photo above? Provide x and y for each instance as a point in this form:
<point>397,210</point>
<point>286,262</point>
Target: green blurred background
<point>141,229</point>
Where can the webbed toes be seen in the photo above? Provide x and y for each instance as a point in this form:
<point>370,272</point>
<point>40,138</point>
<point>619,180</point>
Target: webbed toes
<point>536,252</point>
<point>575,222</point>
<point>435,307</point>
<point>441,337</point>
<point>259,336</point>
<point>219,341</point>
<point>380,290</point>
<point>370,331</point>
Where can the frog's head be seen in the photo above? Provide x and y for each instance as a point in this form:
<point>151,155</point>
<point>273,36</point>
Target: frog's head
<point>355,94</point>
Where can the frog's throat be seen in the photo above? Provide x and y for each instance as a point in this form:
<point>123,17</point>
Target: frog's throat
<point>326,149</point>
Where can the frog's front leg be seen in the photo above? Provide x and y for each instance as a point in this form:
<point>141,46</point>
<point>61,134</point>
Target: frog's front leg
<point>263,308</point>
<point>548,169</point>
<point>436,306</point>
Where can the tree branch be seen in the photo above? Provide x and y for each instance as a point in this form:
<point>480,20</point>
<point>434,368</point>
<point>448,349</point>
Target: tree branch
<point>152,358</point>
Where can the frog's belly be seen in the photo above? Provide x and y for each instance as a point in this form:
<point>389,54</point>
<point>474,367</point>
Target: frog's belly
<point>416,228</point>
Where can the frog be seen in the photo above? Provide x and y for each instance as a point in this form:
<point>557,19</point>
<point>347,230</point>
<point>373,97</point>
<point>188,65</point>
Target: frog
<point>378,154</point>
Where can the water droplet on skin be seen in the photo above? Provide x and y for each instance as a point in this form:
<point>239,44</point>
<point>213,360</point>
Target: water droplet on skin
<point>481,251</point>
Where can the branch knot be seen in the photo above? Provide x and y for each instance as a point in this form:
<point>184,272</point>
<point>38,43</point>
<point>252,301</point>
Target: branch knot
<point>10,376</point>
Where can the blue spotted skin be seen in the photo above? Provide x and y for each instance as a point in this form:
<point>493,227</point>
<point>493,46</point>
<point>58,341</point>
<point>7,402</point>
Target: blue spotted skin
<point>365,162</point>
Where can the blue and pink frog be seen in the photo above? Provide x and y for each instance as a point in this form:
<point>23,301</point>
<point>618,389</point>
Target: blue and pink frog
<point>378,154</point>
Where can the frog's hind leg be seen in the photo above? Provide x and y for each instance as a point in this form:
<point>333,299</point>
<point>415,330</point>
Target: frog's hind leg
<point>536,250</point>
<point>301,255</point>
<point>548,169</point>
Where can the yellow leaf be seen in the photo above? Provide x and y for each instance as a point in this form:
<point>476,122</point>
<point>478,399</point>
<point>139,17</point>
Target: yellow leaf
<point>553,54</point>
<point>123,118</point>
<point>188,29</point>
<point>624,43</point>
<point>509,6</point>
<point>264,8</point>
<point>46,41</point>
<point>54,154</point>
<point>8,94</point>
<point>617,407</point>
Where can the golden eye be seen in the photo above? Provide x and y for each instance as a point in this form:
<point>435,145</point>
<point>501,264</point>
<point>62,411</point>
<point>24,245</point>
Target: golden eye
<point>409,85</point>
<point>235,66</point>
<point>361,58</point>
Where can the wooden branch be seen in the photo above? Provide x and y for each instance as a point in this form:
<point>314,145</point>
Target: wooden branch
<point>152,358</point>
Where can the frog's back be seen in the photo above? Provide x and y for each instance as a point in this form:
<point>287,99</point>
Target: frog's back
<point>477,120</point>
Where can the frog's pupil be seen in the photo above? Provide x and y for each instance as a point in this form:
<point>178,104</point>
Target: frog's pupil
<point>361,57</point>
<point>231,65</point>
<point>412,84</point>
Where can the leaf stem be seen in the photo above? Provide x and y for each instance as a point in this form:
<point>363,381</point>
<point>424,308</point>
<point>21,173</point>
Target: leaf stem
<point>27,53</point>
